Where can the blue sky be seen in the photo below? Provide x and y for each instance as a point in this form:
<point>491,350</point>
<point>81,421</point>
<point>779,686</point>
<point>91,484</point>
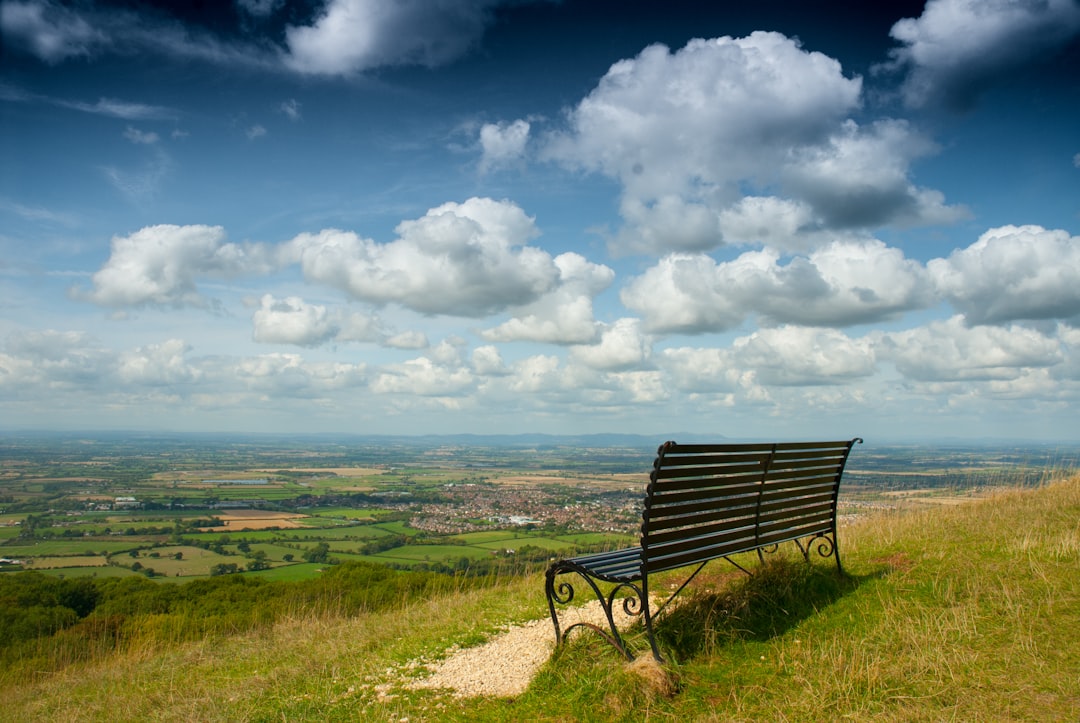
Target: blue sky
<point>812,218</point>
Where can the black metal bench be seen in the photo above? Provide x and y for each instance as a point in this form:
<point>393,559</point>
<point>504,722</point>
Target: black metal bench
<point>709,501</point>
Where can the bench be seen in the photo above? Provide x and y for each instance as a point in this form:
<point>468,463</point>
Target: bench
<point>710,501</point>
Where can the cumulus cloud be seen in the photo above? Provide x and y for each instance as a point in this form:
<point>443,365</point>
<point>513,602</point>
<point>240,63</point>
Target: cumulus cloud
<point>688,133</point>
<point>948,351</point>
<point>423,377</point>
<point>860,178</point>
<point>159,265</point>
<point>352,36</point>
<point>157,365</point>
<point>841,284</point>
<point>461,259</point>
<point>1012,273</point>
<point>957,48</point>
<point>802,356</point>
<point>564,315</point>
<point>502,144</point>
<point>487,361</point>
<point>622,345</point>
<point>700,370</point>
<point>779,357</point>
<point>407,340</point>
<point>292,321</point>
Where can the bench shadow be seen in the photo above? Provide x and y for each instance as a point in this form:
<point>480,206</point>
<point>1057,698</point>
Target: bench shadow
<point>779,595</point>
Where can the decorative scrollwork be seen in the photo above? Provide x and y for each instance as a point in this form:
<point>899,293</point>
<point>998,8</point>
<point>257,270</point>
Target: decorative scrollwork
<point>562,593</point>
<point>631,604</point>
<point>770,549</point>
<point>825,545</point>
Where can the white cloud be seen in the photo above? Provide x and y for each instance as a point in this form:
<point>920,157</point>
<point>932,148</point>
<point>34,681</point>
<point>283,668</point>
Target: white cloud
<point>687,128</point>
<point>162,364</point>
<point>859,178</point>
<point>689,134</point>
<point>564,315</point>
<point>158,266</point>
<point>947,351</point>
<point>423,377</point>
<point>502,144</point>
<point>362,327</point>
<point>467,259</point>
<point>139,137</point>
<point>683,293</point>
<point>407,340</point>
<point>697,370</point>
<point>487,361</point>
<point>352,36</point>
<point>958,48</point>
<point>255,131</point>
<point>802,356</point>
<point>292,321</point>
<point>115,108</point>
<point>538,374</point>
<point>622,346</point>
<point>1011,273</point>
<point>670,222</point>
<point>843,283</point>
<point>1076,160</point>
<point>782,357</point>
<point>664,122</point>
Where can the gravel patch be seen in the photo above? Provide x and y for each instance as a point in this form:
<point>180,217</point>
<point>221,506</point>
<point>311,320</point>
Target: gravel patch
<point>504,666</point>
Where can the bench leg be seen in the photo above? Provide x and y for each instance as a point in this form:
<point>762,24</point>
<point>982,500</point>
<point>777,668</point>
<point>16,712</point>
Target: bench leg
<point>562,592</point>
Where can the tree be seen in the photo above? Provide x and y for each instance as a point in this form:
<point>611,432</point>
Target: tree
<point>318,554</point>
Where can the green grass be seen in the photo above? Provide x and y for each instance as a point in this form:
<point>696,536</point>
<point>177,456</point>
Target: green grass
<point>963,613</point>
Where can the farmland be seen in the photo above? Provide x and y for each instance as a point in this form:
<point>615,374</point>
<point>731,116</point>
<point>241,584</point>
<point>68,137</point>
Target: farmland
<point>181,508</point>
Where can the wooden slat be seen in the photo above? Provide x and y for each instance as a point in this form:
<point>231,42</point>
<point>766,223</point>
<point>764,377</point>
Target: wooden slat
<point>710,470</point>
<point>717,525</point>
<point>688,478</point>
<point>700,513</point>
<point>710,460</point>
<point>718,494</point>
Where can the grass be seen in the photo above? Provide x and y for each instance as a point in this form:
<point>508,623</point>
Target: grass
<point>968,612</point>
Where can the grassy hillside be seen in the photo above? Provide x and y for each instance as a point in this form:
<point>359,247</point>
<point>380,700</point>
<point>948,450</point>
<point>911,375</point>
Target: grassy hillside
<point>966,613</point>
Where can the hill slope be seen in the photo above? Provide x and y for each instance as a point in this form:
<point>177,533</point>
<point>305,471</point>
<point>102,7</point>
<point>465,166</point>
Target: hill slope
<point>968,613</point>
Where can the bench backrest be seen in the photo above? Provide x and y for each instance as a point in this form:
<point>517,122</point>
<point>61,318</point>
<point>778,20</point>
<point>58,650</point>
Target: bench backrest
<point>709,500</point>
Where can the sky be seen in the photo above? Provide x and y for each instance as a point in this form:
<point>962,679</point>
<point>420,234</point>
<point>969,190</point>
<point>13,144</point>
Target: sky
<point>801,219</point>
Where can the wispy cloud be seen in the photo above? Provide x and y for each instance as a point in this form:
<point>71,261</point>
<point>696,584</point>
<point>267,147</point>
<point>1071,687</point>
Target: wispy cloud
<point>291,108</point>
<point>141,185</point>
<point>35,213</point>
<point>147,138</point>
